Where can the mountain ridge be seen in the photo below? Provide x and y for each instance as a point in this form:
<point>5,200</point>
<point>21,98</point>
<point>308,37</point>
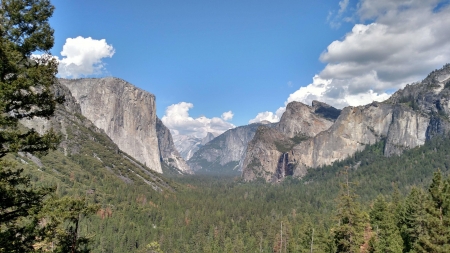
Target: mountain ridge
<point>410,117</point>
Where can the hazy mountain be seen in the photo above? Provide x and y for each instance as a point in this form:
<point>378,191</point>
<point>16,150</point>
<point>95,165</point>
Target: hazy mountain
<point>224,153</point>
<point>188,145</point>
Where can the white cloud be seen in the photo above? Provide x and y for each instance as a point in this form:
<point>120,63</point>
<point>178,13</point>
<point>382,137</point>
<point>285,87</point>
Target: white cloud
<point>227,115</point>
<point>335,18</point>
<point>179,122</point>
<point>343,6</point>
<point>83,57</point>
<point>405,41</point>
<point>265,116</point>
<point>401,42</point>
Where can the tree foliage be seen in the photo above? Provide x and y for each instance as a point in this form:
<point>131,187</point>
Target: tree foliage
<point>26,92</point>
<point>25,81</point>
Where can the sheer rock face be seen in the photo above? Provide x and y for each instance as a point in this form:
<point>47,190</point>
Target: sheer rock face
<point>168,152</point>
<point>406,120</point>
<point>360,126</point>
<point>76,131</point>
<point>225,152</point>
<point>126,113</point>
<point>301,119</point>
<point>355,128</point>
<point>269,155</point>
<point>266,156</point>
<point>209,137</point>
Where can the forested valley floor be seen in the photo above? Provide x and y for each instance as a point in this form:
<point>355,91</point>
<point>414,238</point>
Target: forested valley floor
<point>363,202</point>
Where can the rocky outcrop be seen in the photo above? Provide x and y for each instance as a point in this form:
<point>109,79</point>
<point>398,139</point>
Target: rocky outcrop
<point>304,120</point>
<point>357,127</point>
<point>168,152</point>
<point>406,120</point>
<point>267,156</point>
<point>126,113</point>
<point>225,152</point>
<point>209,137</point>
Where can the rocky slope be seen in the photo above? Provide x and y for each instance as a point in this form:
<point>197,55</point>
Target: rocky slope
<point>409,118</point>
<point>127,114</point>
<point>267,154</point>
<point>225,153</point>
<point>168,152</point>
<point>303,120</point>
<point>86,153</point>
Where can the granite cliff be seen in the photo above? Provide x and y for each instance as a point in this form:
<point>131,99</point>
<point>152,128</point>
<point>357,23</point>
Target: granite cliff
<point>168,152</point>
<point>410,117</point>
<point>86,150</point>
<point>303,120</point>
<point>127,114</point>
<point>268,155</point>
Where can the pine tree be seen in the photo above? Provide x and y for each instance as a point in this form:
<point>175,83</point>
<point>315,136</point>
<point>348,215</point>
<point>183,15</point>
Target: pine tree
<point>436,236</point>
<point>349,231</point>
<point>412,218</point>
<point>25,81</point>
<point>25,93</point>
<point>386,236</point>
<point>61,231</point>
<point>19,206</point>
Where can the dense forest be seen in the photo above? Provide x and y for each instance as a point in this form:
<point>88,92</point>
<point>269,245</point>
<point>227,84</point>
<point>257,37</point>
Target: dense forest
<point>90,200</point>
<point>206,213</point>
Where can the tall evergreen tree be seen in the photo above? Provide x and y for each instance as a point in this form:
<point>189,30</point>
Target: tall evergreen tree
<point>25,93</point>
<point>436,236</point>
<point>412,218</point>
<point>386,236</point>
<point>25,81</point>
<point>349,231</point>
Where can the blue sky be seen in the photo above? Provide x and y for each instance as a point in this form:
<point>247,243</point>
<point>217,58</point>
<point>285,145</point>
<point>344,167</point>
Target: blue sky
<point>251,57</point>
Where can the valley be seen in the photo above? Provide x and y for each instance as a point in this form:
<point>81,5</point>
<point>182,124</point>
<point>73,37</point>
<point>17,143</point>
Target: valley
<point>358,161</point>
<point>221,209</point>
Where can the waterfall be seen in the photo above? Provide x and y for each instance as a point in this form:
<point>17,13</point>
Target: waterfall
<point>283,168</point>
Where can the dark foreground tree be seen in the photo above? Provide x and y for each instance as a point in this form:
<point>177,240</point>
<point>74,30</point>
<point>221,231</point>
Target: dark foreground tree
<point>61,231</point>
<point>25,81</point>
<point>25,92</point>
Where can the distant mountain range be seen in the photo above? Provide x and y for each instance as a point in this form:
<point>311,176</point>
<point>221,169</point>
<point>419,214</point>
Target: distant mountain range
<point>306,136</point>
<point>188,145</point>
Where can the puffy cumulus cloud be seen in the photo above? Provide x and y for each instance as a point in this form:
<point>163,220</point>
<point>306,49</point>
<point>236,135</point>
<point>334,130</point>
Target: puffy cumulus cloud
<point>265,116</point>
<point>227,115</point>
<point>405,41</point>
<point>179,122</point>
<point>83,57</point>
<point>395,43</point>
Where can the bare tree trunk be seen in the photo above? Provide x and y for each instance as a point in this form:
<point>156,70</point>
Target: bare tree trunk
<point>281,246</point>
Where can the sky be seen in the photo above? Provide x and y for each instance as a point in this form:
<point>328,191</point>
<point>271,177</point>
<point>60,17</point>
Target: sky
<point>214,65</point>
